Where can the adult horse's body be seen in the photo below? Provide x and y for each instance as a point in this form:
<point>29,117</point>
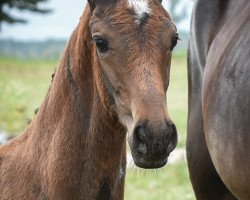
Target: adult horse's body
<point>218,144</point>
<point>112,78</point>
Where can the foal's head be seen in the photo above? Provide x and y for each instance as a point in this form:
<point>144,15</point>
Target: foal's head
<point>134,40</point>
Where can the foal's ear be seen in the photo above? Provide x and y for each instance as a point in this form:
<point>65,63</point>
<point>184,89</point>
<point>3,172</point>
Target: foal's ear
<point>94,3</point>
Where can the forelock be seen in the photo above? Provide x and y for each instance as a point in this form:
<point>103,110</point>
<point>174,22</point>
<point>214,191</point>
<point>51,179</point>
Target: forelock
<point>141,9</point>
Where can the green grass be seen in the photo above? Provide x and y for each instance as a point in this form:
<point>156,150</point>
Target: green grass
<point>177,95</point>
<point>169,183</point>
<point>24,83</point>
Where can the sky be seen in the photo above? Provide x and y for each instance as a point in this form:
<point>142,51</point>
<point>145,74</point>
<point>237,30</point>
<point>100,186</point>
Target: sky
<point>58,25</point>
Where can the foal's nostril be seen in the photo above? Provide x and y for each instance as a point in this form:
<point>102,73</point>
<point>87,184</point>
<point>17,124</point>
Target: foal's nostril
<point>140,137</point>
<point>140,132</point>
<point>172,141</point>
<point>142,149</point>
<point>174,132</point>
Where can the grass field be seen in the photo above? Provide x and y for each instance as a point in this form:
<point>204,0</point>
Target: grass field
<point>23,85</point>
<point>169,183</point>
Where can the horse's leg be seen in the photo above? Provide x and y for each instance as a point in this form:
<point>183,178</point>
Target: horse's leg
<point>206,183</point>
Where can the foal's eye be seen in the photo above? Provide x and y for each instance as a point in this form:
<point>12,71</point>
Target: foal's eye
<point>174,41</point>
<point>101,44</point>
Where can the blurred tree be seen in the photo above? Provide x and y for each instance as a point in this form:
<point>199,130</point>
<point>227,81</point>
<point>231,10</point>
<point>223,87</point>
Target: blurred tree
<point>21,5</point>
<point>178,10</point>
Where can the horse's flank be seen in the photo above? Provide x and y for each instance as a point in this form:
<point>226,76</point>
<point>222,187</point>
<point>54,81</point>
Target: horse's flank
<point>51,160</point>
<point>218,122</point>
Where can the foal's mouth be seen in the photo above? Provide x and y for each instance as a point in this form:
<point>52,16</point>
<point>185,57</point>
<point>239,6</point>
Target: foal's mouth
<point>152,160</point>
<point>142,163</point>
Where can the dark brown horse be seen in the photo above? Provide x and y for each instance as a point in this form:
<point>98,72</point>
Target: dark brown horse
<point>112,79</point>
<point>218,144</point>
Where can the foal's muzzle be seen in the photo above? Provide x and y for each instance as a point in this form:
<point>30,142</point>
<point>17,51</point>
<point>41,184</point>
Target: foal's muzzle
<point>151,144</point>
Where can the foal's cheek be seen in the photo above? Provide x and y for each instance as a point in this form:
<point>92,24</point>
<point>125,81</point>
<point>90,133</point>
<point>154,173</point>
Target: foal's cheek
<point>124,113</point>
<point>166,71</point>
<point>111,70</point>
